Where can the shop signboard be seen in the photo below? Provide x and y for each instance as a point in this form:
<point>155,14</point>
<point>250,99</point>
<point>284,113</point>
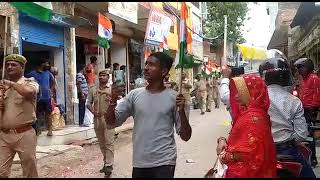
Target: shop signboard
<point>158,27</point>
<point>124,10</point>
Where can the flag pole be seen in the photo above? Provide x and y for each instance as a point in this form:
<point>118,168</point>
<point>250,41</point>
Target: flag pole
<point>4,47</point>
<point>181,71</point>
<point>225,40</point>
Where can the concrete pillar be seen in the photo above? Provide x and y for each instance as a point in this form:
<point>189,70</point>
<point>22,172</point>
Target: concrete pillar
<point>70,69</point>
<point>13,43</point>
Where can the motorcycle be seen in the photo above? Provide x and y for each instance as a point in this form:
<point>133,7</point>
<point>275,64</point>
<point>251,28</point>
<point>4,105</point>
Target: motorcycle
<point>287,166</point>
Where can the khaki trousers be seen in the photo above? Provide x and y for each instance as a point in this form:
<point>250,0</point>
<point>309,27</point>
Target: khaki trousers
<point>203,100</point>
<point>25,145</point>
<point>209,99</point>
<point>106,142</point>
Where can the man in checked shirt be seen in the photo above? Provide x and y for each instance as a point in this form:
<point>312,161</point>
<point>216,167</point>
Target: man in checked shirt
<point>289,125</point>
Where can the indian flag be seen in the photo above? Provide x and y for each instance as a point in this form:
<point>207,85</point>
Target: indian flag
<point>104,31</point>
<point>39,10</point>
<point>184,60</point>
<point>183,33</point>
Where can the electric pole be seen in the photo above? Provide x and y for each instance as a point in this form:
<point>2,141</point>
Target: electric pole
<point>225,41</point>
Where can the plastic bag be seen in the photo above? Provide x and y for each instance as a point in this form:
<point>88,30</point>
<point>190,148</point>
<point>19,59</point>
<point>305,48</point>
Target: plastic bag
<point>57,119</point>
<point>218,170</point>
<point>88,118</point>
<point>221,170</point>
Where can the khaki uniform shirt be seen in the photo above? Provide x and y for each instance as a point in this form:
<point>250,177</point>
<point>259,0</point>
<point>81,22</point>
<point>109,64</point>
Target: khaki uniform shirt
<point>202,85</point>
<point>186,91</point>
<point>98,99</point>
<point>215,83</point>
<point>19,111</point>
<point>210,86</point>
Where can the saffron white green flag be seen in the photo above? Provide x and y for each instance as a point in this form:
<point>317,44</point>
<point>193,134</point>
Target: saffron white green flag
<point>185,60</point>
<point>104,31</point>
<point>39,10</point>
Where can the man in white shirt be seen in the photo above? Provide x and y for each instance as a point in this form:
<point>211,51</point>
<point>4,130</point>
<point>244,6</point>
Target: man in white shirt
<point>289,125</point>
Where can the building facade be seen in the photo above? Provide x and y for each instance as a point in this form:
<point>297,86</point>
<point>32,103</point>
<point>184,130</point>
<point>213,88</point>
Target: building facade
<point>68,47</point>
<point>281,36</point>
<point>306,34</point>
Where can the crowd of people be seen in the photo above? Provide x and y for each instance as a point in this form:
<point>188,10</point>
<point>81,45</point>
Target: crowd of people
<point>267,119</point>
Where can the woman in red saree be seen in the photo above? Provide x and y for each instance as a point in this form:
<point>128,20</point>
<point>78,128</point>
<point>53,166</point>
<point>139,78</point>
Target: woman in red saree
<point>249,151</point>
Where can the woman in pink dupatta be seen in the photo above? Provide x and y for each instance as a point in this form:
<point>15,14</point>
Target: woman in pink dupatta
<point>250,150</point>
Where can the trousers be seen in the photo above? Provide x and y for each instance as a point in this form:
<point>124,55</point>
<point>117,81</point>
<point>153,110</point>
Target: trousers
<point>166,171</point>
<point>106,142</point>
<point>25,145</point>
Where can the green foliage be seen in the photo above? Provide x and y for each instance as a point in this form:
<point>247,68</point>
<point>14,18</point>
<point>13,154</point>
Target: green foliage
<point>214,25</point>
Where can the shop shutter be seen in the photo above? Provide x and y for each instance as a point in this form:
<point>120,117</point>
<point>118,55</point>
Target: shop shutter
<point>34,31</point>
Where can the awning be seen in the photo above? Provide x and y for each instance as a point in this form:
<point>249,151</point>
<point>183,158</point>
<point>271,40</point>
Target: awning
<point>252,53</point>
<point>69,21</point>
<point>279,39</point>
<point>304,14</point>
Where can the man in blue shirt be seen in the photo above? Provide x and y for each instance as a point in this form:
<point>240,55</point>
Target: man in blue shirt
<point>46,82</point>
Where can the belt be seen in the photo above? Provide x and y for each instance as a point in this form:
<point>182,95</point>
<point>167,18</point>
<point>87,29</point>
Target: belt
<point>291,143</point>
<point>17,130</point>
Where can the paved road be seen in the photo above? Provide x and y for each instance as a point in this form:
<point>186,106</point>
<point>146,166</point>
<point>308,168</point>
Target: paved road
<point>86,161</point>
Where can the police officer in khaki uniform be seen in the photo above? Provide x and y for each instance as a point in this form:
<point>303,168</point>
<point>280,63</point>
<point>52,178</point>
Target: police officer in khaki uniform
<point>97,103</point>
<point>186,92</point>
<point>209,94</point>
<point>215,90</point>
<point>201,87</point>
<point>18,107</point>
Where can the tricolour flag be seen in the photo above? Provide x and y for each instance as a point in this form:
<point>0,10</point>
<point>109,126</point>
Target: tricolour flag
<point>184,60</point>
<point>104,31</point>
<point>39,10</point>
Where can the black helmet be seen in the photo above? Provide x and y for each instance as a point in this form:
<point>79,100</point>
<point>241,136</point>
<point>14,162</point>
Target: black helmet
<point>276,71</point>
<point>305,62</point>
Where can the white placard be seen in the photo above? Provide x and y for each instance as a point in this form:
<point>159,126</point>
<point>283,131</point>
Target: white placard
<point>158,27</point>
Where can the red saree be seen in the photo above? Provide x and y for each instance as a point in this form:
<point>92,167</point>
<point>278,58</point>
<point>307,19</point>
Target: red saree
<point>250,151</point>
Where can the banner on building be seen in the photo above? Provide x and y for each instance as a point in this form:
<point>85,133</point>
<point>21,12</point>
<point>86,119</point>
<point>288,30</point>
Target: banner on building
<point>197,41</point>
<point>158,28</point>
<point>124,10</point>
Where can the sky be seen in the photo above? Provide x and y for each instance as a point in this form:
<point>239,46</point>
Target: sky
<point>256,29</point>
